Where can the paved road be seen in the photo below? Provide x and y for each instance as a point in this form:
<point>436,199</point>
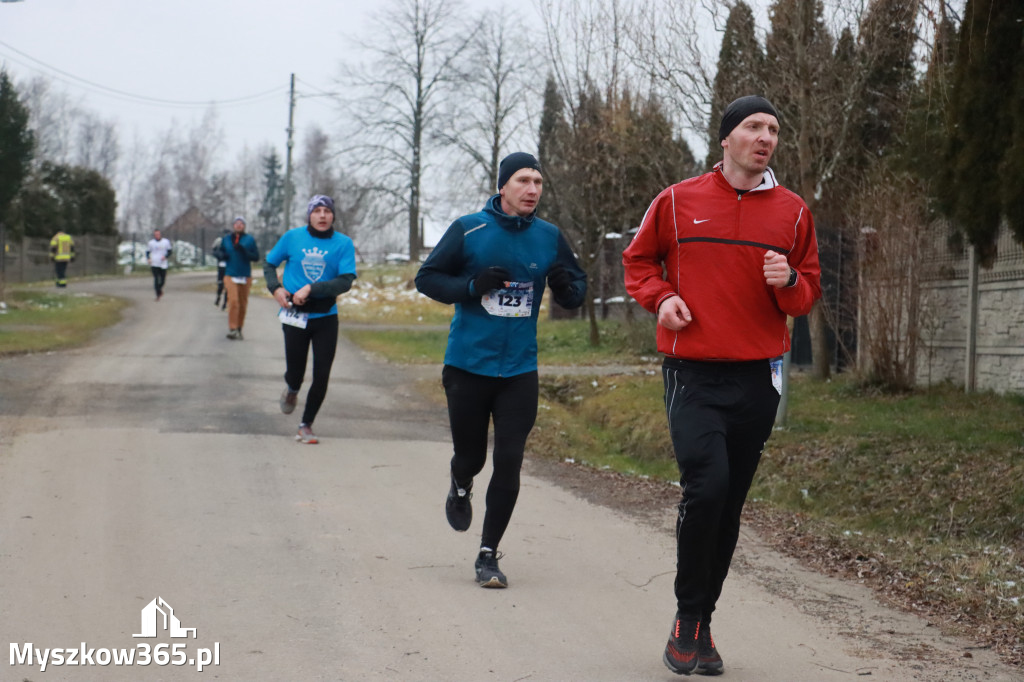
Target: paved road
<point>155,464</point>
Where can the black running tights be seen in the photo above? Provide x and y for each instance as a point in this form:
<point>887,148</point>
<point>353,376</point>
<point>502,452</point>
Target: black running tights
<point>473,400</point>
<point>322,334</point>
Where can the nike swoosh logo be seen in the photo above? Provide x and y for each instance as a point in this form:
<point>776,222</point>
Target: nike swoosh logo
<point>698,222</point>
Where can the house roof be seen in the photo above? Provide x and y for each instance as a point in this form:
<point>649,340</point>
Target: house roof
<point>190,221</point>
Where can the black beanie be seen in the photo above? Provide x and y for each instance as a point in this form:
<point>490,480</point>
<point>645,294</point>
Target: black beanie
<point>741,108</point>
<point>516,161</point>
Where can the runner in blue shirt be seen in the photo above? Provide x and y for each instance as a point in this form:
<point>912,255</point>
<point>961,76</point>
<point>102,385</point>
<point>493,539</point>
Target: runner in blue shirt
<point>320,265</point>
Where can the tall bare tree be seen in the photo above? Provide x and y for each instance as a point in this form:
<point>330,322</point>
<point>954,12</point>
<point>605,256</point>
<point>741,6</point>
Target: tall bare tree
<point>53,118</point>
<point>316,173</point>
<point>96,144</point>
<point>490,117</point>
<point>740,71</point>
<point>193,159</point>
<point>131,178</point>
<point>415,47</point>
<point>669,44</point>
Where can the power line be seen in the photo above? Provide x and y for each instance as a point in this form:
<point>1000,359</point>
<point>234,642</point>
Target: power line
<point>133,97</point>
<point>320,92</point>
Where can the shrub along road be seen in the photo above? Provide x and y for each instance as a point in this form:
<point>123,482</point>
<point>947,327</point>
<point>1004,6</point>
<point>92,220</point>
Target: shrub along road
<point>154,463</point>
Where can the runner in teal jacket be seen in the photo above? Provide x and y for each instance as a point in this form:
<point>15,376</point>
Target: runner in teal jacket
<point>528,248</point>
<point>493,265</point>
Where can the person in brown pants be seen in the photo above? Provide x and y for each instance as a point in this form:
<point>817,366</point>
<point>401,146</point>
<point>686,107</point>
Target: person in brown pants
<point>240,251</point>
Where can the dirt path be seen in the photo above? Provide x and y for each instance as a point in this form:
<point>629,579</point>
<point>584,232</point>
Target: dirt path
<point>153,470</point>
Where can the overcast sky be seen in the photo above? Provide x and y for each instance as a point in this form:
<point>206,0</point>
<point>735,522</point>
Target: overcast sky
<point>188,53</point>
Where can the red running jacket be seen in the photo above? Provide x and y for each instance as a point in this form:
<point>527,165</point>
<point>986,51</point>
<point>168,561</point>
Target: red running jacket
<point>701,240</point>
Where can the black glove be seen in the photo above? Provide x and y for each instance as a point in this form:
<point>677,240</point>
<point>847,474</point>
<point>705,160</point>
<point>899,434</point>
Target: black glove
<point>493,277</point>
<point>559,279</point>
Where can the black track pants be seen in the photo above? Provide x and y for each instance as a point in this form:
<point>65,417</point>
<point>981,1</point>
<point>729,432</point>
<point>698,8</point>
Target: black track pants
<point>473,400</point>
<point>720,414</point>
<point>159,277</point>
<point>322,334</point>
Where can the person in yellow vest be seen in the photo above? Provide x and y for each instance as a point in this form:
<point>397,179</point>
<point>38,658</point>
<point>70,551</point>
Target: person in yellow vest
<point>62,252</point>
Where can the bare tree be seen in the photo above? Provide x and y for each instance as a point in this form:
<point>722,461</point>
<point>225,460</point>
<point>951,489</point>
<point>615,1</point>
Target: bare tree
<point>97,145</point>
<point>416,47</point>
<point>599,128</point>
<point>491,116</point>
<point>316,175</point>
<point>892,315</point>
<point>131,178</point>
<point>192,160</point>
<point>248,184</point>
<point>53,116</point>
<point>158,189</point>
<point>672,44</point>
<point>586,40</point>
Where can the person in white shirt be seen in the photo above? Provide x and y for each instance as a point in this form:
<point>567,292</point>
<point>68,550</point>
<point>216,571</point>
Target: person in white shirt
<point>158,250</point>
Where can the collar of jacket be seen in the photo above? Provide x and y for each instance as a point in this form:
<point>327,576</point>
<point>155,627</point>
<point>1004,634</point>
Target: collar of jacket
<point>509,222</point>
<point>326,234</point>
<point>768,180</point>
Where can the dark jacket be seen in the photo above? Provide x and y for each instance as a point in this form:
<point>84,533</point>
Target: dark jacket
<point>239,255</point>
<point>528,247</point>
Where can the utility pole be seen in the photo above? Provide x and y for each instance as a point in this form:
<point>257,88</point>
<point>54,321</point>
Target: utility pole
<point>288,158</point>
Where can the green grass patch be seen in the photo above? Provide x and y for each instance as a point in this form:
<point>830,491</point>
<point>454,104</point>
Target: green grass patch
<point>416,347</point>
<point>615,422</point>
<point>929,483</point>
<point>38,321</point>
<point>560,342</point>
<point>928,464</point>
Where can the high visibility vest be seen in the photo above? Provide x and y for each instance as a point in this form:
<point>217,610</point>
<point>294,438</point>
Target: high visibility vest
<point>62,246</point>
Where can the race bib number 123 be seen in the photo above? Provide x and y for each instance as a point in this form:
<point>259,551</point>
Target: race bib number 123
<point>513,300</point>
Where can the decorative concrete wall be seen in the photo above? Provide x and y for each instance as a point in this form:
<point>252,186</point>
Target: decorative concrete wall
<point>999,358</point>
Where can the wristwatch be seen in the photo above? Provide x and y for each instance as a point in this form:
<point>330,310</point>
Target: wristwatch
<point>792,278</point>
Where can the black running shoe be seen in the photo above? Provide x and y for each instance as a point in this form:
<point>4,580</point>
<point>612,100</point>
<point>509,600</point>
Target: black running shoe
<point>708,660</point>
<point>487,572</point>
<point>681,651</point>
<point>458,507</point>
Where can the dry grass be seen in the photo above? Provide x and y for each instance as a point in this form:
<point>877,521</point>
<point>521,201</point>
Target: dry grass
<point>37,321</point>
<point>919,495</point>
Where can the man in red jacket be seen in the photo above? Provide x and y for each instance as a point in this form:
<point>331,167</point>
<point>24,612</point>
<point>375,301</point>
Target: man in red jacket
<point>722,259</point>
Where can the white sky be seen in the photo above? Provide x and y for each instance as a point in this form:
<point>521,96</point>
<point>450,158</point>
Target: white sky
<point>197,51</point>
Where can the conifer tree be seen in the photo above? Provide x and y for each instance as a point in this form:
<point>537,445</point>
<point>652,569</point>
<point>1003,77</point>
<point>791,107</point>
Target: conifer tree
<point>552,135</point>
<point>272,210</point>
<point>740,72</point>
<point>923,151</point>
<point>604,160</point>
<point>988,57</point>
<point>1013,163</point>
<point>71,198</point>
<point>798,55</point>
<point>16,143</point>
<point>887,37</point>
